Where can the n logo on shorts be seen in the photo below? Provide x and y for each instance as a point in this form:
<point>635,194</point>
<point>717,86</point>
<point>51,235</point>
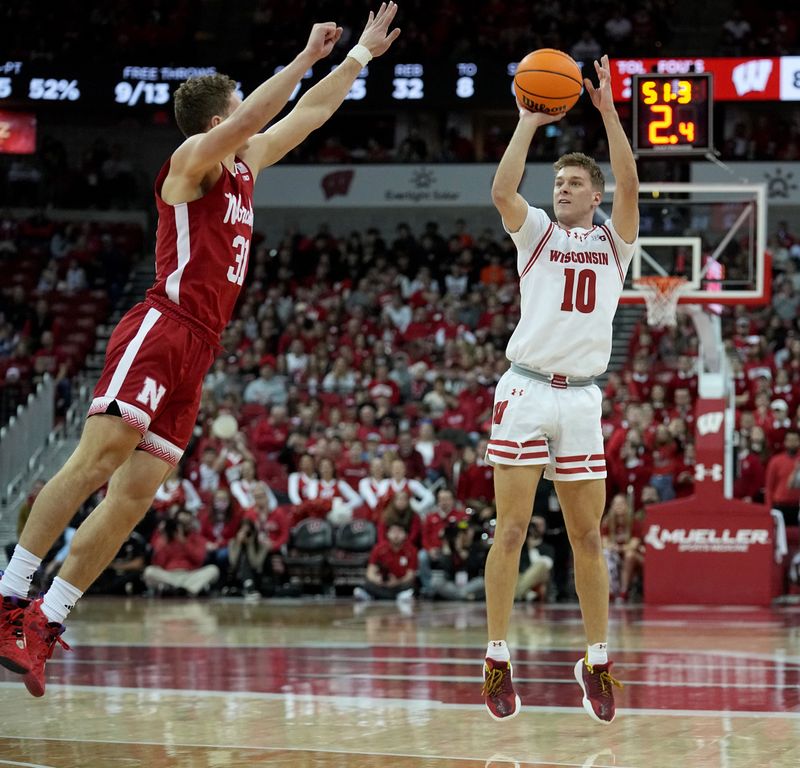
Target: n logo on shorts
<point>151,393</point>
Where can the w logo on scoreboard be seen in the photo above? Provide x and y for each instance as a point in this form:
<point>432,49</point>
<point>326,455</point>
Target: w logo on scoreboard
<point>753,75</point>
<point>709,423</point>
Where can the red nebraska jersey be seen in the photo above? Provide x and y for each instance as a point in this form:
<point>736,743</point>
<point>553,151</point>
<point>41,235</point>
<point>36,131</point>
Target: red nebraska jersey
<point>202,249</point>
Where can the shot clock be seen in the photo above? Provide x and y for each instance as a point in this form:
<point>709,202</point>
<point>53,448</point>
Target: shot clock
<point>672,113</point>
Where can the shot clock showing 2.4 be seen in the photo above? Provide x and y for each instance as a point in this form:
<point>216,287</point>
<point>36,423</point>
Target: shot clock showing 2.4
<point>672,113</point>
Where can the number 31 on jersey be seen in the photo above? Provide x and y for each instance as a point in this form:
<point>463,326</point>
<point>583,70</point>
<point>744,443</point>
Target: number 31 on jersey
<point>237,271</point>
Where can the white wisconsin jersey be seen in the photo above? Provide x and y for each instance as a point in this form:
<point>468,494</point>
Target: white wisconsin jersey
<point>570,282</point>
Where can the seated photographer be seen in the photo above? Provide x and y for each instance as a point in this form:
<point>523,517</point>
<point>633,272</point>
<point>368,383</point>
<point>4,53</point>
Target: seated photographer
<point>246,557</point>
<point>535,564</point>
<point>463,559</point>
<point>179,551</point>
<point>392,568</point>
<point>124,575</point>
<point>445,513</point>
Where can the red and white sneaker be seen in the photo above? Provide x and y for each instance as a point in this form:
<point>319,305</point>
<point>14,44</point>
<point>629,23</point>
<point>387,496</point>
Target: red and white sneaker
<point>42,636</point>
<point>498,690</point>
<point>598,690</point>
<point>13,647</point>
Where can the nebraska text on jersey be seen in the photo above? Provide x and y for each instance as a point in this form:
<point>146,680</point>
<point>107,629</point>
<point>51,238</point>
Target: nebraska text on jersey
<point>202,250</point>
<point>237,213</point>
<point>570,282</point>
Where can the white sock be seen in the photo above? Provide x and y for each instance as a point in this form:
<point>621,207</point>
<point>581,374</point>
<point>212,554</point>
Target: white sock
<point>597,654</point>
<point>17,579</point>
<point>498,650</point>
<point>60,600</point>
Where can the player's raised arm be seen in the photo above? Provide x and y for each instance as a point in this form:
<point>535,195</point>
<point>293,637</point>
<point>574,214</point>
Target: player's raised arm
<point>511,205</point>
<point>321,101</point>
<point>625,209</point>
<point>231,129</point>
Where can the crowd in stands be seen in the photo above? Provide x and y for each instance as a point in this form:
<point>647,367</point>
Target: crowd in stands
<point>247,34</point>
<point>753,29</point>
<point>60,280</point>
<point>352,401</point>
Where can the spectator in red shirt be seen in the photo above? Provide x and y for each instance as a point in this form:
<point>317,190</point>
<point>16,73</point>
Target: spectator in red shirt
<point>373,489</point>
<point>270,434</point>
<point>218,525</point>
<point>663,457</point>
<point>750,473</point>
<point>179,551</point>
<point>415,464</point>
<point>382,386</point>
<point>623,544</point>
<point>780,424</point>
<point>639,380</point>
<point>684,378</point>
<point>433,526</point>
<point>352,468</point>
<point>398,511</point>
<point>473,402</point>
<point>475,476</point>
<point>782,489</point>
<point>392,568</point>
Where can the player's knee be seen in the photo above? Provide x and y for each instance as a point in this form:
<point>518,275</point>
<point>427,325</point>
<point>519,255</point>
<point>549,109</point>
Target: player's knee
<point>588,544</point>
<point>510,538</point>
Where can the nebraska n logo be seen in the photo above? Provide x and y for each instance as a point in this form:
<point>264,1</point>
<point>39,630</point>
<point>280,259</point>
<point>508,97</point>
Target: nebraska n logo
<point>151,393</point>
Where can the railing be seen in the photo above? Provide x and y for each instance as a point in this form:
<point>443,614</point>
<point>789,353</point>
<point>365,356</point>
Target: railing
<point>24,438</point>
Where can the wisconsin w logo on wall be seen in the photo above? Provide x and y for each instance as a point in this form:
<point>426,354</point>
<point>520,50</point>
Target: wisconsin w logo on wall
<point>709,423</point>
<point>752,76</point>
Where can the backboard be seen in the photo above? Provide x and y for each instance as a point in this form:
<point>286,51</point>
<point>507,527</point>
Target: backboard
<point>714,235</point>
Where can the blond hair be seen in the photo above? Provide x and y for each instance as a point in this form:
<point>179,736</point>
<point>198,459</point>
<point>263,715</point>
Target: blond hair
<point>197,100</point>
<point>587,163</point>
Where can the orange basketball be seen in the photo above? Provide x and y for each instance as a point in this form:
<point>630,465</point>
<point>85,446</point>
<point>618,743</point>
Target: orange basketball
<point>548,81</point>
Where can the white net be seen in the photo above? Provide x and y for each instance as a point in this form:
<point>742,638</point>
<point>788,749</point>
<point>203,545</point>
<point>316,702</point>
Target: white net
<point>661,296</point>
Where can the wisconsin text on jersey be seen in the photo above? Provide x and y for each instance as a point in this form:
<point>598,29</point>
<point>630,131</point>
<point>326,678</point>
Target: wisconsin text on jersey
<point>578,257</point>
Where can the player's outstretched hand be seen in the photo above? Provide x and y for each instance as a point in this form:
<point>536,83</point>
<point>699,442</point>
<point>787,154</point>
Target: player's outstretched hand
<point>322,39</point>
<point>601,96</point>
<point>537,118</point>
<point>376,35</point>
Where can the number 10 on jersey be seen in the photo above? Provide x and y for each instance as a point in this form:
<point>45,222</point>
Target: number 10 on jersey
<point>580,293</point>
<point>237,271</point>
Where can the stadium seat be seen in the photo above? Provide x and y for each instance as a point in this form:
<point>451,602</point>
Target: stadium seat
<point>349,557</point>
<point>307,560</point>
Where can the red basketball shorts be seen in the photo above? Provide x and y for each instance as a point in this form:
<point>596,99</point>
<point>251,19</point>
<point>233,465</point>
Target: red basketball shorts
<point>154,373</point>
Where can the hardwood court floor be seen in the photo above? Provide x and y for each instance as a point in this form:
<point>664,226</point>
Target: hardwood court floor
<point>181,684</point>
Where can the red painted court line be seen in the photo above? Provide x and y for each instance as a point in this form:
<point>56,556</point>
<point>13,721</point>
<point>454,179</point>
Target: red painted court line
<point>666,681</point>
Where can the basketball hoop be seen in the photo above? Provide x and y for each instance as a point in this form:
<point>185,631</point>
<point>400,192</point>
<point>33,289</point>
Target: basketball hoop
<point>661,295</point>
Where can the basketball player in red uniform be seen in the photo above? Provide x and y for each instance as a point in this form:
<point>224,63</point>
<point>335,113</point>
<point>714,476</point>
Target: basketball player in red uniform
<point>147,398</point>
<point>547,407</point>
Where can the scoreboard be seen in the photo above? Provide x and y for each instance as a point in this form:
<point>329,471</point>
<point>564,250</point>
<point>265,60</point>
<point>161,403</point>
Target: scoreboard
<point>429,83</point>
<point>672,113</point>
<point>381,84</point>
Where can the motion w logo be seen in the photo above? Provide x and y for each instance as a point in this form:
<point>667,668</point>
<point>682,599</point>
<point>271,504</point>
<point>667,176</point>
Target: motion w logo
<point>753,75</point>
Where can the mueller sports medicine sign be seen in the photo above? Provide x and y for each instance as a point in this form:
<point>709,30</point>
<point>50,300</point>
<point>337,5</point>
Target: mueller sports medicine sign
<point>702,553</point>
<point>706,539</point>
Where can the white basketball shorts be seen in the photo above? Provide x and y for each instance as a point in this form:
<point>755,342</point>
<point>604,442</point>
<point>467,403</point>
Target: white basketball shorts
<point>535,423</point>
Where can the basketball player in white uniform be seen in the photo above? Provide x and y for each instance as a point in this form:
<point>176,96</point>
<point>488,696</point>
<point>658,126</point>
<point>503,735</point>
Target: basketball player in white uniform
<point>547,408</point>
